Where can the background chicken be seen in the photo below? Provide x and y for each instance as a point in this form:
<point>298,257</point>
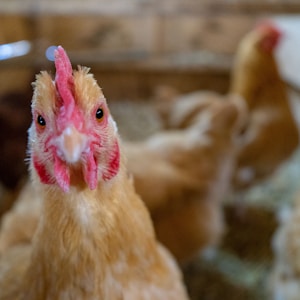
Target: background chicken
<point>271,134</point>
<point>188,173</point>
<point>93,223</point>
<point>183,111</point>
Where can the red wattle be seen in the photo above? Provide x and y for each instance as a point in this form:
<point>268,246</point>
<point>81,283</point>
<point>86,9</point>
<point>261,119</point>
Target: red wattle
<point>62,174</point>
<point>42,172</point>
<point>113,164</point>
<point>90,171</point>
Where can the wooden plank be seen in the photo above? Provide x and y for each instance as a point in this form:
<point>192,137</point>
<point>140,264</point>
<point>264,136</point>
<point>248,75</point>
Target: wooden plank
<point>142,7</point>
<point>14,28</point>
<point>147,46</point>
<point>140,84</point>
<point>130,35</point>
<point>100,34</point>
<point>217,33</point>
<point>16,80</point>
<point>143,35</point>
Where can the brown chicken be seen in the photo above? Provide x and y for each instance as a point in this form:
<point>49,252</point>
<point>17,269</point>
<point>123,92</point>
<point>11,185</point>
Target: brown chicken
<point>187,174</point>
<point>271,135</point>
<point>182,111</point>
<point>95,239</point>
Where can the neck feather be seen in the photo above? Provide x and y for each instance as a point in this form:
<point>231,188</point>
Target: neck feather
<point>86,236</point>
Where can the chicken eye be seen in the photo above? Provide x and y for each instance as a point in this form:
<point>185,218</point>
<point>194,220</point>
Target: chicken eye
<point>41,121</point>
<point>99,114</point>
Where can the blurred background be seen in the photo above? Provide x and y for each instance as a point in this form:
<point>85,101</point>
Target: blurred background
<point>134,47</point>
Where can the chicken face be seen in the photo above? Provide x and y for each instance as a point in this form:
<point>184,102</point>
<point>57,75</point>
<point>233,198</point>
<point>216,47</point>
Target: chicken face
<point>73,138</point>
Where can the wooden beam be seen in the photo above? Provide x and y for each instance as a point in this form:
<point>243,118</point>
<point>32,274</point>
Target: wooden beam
<point>142,7</point>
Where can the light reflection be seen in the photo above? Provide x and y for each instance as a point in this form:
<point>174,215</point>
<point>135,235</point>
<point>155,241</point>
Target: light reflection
<point>50,53</point>
<point>15,49</point>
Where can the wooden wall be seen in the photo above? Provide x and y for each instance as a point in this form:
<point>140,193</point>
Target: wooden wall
<point>134,45</point>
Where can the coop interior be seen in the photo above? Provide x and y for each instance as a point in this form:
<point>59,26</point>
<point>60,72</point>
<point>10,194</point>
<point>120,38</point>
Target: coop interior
<point>145,54</point>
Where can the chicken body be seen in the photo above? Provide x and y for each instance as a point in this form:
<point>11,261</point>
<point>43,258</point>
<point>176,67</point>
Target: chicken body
<point>188,173</point>
<point>183,111</point>
<point>95,239</point>
<point>271,135</point>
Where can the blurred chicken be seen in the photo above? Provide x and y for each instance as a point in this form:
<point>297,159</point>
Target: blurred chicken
<point>182,175</point>
<point>284,280</point>
<point>182,111</point>
<point>271,135</point>
<point>95,239</point>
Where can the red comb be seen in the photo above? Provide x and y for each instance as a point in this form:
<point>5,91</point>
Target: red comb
<point>269,27</point>
<point>271,35</point>
<point>64,80</point>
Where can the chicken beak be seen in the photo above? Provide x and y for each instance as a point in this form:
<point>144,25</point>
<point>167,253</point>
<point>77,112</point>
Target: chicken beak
<point>71,144</point>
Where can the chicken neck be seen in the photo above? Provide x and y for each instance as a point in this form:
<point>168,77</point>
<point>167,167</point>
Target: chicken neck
<point>86,240</point>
